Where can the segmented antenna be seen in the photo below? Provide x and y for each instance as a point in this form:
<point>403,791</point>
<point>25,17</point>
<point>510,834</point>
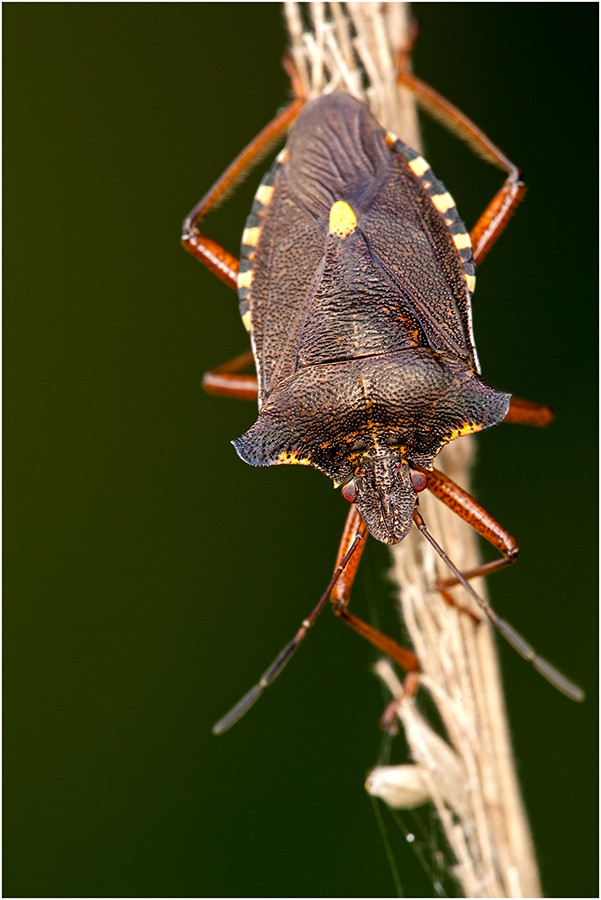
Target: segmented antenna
<point>506,630</point>
<point>283,658</point>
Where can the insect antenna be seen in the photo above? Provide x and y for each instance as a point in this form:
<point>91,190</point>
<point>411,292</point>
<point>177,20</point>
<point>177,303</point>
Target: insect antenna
<point>506,630</point>
<point>284,657</point>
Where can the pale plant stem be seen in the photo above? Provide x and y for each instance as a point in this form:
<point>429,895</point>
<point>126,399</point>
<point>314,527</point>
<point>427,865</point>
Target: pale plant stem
<point>471,780</point>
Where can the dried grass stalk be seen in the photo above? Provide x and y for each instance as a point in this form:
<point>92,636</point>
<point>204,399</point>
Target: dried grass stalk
<point>471,779</point>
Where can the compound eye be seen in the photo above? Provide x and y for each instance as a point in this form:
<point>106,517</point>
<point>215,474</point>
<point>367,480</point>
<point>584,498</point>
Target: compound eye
<point>349,492</point>
<point>418,480</point>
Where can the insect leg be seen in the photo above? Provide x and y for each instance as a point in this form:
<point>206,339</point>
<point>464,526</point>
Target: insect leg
<point>340,598</point>
<point>496,215</point>
<point>526,413</point>
<point>464,505</point>
<point>215,257</point>
<point>226,380</point>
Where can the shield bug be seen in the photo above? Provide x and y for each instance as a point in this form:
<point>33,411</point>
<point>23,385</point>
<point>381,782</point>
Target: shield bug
<point>355,281</point>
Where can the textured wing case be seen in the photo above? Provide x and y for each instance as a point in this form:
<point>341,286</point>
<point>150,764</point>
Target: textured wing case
<point>386,287</point>
<point>355,282</point>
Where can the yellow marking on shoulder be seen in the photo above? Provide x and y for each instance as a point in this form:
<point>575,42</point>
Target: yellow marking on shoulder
<point>245,278</point>
<point>250,236</point>
<point>264,193</point>
<point>462,241</point>
<point>246,319</point>
<point>343,220</point>
<point>391,138</point>
<point>293,458</point>
<point>443,202</point>
<point>471,283</point>
<point>467,428</point>
<point>283,155</point>
<point>419,166</point>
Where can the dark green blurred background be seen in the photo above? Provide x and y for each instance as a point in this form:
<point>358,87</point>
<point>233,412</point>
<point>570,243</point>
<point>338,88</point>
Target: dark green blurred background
<point>150,576</point>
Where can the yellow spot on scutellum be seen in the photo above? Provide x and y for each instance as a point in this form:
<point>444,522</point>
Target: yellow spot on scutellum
<point>462,240</point>
<point>264,193</point>
<point>250,236</point>
<point>471,283</point>
<point>419,166</point>
<point>246,319</point>
<point>245,278</point>
<point>293,458</point>
<point>443,202</point>
<point>343,220</point>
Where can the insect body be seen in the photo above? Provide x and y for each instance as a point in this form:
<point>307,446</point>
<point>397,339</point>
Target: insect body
<point>355,281</point>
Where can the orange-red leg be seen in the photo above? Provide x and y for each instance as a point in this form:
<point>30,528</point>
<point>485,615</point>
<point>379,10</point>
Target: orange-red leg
<point>215,257</point>
<point>341,592</point>
<point>464,505</point>
<point>338,591</point>
<point>227,381</point>
<point>496,215</point>
<point>525,412</point>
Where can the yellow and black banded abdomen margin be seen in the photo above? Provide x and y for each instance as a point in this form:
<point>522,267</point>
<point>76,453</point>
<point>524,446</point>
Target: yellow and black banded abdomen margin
<point>251,235</point>
<point>444,204</point>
